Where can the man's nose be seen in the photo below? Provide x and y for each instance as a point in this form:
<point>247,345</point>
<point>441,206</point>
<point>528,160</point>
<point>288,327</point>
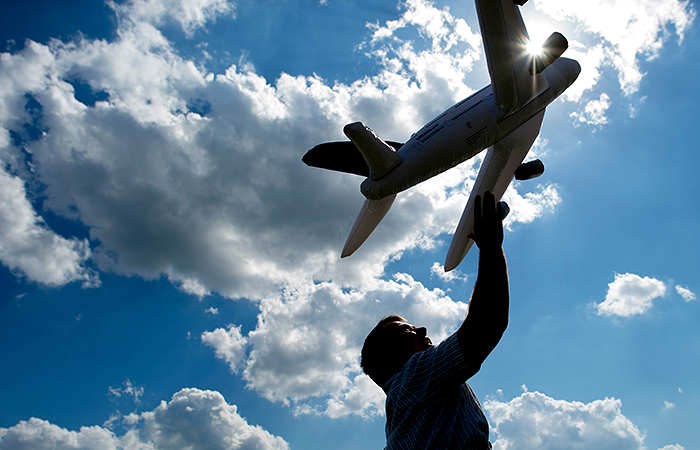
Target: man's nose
<point>422,331</point>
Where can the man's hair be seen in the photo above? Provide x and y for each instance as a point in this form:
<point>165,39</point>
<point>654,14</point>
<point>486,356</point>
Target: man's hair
<point>379,358</point>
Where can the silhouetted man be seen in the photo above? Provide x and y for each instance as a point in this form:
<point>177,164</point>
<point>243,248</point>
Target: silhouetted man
<point>429,403</point>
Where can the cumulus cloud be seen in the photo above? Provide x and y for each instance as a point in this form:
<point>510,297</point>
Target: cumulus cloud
<point>197,177</point>
<point>686,293</point>
<point>305,349</point>
<point>536,421</point>
<point>229,345</point>
<point>630,31</point>
<point>202,420</point>
<point>616,34</point>
<point>432,64</point>
<point>526,208</point>
<point>188,14</point>
<point>454,275</point>
<point>193,419</point>
<point>629,295</point>
<point>593,113</point>
<point>30,249</point>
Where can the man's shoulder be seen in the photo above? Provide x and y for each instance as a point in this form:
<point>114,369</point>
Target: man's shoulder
<point>431,366</point>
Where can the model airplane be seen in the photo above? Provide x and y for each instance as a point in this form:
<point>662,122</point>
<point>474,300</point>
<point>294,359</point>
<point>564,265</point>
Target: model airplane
<point>504,117</point>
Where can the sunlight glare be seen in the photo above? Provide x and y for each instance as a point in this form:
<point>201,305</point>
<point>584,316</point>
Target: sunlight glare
<point>534,48</point>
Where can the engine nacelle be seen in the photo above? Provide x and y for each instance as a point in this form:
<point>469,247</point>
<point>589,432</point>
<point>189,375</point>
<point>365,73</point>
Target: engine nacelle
<point>505,209</point>
<point>529,170</point>
<point>552,49</point>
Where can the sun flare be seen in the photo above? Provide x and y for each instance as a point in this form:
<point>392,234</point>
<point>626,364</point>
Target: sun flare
<point>534,48</point>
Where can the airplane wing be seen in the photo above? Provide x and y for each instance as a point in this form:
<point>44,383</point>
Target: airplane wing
<point>510,65</point>
<point>496,173</point>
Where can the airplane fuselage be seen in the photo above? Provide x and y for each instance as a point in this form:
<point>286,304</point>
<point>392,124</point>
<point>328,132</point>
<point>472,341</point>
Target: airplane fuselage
<point>463,131</point>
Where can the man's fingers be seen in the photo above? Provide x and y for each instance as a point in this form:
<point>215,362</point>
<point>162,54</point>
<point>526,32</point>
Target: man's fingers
<point>489,203</point>
<point>488,228</point>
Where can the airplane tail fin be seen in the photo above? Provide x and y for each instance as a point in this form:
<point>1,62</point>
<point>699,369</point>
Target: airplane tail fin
<point>379,156</point>
<point>372,212</point>
<point>366,155</point>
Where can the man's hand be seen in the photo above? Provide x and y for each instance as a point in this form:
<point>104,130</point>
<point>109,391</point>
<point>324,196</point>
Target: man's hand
<point>488,224</point>
<point>490,302</point>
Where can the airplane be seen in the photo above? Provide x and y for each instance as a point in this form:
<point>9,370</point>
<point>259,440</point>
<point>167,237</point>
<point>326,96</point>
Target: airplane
<point>504,117</point>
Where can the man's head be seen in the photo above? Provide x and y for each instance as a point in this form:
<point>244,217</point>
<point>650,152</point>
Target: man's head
<point>389,346</point>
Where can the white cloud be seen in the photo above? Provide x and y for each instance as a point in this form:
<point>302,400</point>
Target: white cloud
<point>189,14</point>
<point>593,113</point>
<point>202,420</point>
<point>536,421</point>
<point>305,350</point>
<point>29,248</point>
<point>673,447</point>
<point>686,293</point>
<point>129,390</point>
<point>631,31</point>
<point>453,275</point>
<point>40,434</point>
<point>142,171</point>
<point>229,344</point>
<point>193,419</point>
<point>668,405</point>
<point>197,177</point>
<point>630,295</point>
<point>452,50</point>
<point>525,209</point>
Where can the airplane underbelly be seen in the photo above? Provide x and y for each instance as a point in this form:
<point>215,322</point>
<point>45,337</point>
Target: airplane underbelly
<point>458,134</point>
<point>463,131</point>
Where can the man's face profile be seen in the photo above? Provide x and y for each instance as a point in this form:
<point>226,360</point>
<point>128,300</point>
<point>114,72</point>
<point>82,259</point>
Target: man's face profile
<point>407,337</point>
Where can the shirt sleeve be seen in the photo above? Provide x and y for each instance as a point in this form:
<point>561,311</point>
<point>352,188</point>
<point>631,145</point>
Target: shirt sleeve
<point>434,370</point>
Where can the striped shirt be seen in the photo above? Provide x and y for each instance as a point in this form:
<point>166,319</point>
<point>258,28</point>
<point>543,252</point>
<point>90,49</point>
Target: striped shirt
<point>429,404</point>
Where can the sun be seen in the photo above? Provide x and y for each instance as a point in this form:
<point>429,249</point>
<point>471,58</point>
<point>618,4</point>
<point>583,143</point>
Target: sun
<point>539,32</point>
<point>534,48</point>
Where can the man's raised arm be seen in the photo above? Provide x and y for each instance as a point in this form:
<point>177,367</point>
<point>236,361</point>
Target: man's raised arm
<point>487,319</point>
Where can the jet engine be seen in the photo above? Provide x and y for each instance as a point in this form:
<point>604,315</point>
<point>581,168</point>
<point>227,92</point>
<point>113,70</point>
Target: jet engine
<point>552,49</point>
<point>529,170</point>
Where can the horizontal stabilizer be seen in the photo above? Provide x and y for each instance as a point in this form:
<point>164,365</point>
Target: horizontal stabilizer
<point>341,157</point>
<point>379,156</point>
<point>372,212</point>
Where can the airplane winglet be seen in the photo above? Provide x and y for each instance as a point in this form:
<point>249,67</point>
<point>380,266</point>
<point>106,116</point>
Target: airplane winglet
<point>372,212</point>
<point>379,156</point>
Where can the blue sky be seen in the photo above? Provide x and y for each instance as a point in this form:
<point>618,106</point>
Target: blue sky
<point>170,269</point>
